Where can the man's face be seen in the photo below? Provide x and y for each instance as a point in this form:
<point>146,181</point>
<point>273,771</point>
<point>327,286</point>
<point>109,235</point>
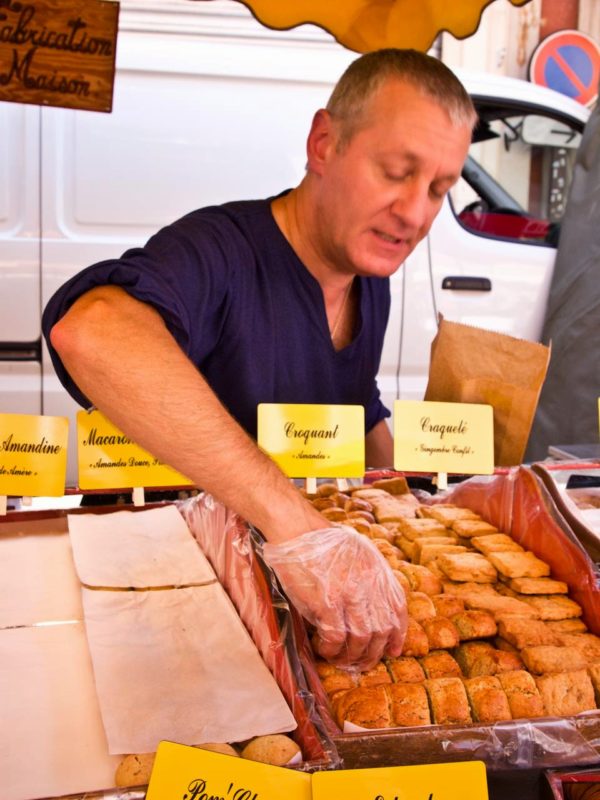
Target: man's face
<point>379,194</point>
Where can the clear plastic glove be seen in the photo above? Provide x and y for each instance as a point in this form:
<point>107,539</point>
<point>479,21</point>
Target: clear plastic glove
<point>339,581</point>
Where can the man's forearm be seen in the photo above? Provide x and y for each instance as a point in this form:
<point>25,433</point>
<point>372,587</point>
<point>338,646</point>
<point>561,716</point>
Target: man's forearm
<point>122,357</point>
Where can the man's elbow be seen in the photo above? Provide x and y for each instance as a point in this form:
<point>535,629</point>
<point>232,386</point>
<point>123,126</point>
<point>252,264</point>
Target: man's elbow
<point>82,327</point>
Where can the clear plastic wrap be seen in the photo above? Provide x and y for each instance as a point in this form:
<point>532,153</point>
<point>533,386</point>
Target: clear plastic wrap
<point>232,547</point>
<point>360,613</point>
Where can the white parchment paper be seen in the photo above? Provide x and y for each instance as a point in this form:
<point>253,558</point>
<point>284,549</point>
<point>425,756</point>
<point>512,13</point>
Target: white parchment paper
<point>178,664</point>
<point>169,663</point>
<point>137,549</point>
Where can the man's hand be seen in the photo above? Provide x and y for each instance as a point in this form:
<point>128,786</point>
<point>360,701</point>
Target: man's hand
<point>340,583</point>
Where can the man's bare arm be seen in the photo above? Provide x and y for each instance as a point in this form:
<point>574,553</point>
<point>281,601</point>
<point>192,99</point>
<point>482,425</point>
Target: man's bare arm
<point>379,446</point>
<point>122,357</point>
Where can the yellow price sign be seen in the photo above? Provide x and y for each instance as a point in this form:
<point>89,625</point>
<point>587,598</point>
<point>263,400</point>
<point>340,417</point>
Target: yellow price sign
<point>194,774</point>
<point>107,459</point>
<point>460,781</point>
<point>33,455</point>
<point>314,441</point>
<point>443,437</point>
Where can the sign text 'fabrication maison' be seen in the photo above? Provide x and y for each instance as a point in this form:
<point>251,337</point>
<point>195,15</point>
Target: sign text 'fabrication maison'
<point>58,52</point>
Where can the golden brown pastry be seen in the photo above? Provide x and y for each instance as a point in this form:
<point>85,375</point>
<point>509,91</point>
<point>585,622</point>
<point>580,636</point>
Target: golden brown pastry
<point>408,704</point>
<point>446,513</point>
<point>549,658</point>
<point>566,693</point>
<point>448,701</point>
<point>499,605</point>
<point>416,642</point>
<point>446,605</point>
<point>467,588</point>
<point>523,696</point>
<point>275,749</point>
<point>368,707</point>
<point>519,565</point>
<point>496,543</point>
<point>414,528</point>
<point>553,607</point>
<point>376,676</point>
<point>421,579</point>
<point>135,769</point>
<point>440,664</point>
<point>567,625</point>
<point>429,551</point>
<point>594,673</point>
<point>522,632</point>
<point>538,586</point>
<point>474,624</point>
<point>420,606</point>
<point>441,633</point>
<point>334,679</point>
<point>467,528</point>
<point>467,567</point>
<point>396,485</point>
<point>487,699</point>
<point>405,669</point>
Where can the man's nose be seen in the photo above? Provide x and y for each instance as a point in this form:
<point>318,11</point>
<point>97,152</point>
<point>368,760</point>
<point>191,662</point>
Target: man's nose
<point>412,203</point>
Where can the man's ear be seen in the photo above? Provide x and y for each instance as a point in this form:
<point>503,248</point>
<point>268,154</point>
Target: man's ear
<point>321,141</point>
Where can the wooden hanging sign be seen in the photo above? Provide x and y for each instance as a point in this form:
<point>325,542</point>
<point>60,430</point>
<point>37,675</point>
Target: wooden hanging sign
<point>58,52</point>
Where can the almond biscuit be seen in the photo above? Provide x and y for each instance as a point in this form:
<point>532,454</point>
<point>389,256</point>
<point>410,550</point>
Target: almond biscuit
<point>519,565</point>
<point>467,567</point>
<point>566,693</point>
<point>523,696</point>
<point>448,701</point>
<point>440,664</point>
<point>487,699</point>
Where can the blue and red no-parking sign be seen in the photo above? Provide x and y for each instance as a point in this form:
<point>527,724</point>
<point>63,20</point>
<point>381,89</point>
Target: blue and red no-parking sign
<point>568,61</point>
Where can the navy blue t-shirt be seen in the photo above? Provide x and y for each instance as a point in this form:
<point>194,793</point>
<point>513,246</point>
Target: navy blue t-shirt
<point>246,311</point>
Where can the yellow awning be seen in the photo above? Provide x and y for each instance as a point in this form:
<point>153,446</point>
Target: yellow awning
<point>365,25</point>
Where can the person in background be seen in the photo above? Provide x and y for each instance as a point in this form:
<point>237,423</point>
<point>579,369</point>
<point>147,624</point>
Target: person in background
<point>279,300</point>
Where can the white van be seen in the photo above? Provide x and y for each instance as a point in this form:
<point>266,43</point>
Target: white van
<point>210,106</point>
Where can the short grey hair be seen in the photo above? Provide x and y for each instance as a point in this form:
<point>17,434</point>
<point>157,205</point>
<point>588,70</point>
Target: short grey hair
<point>366,74</point>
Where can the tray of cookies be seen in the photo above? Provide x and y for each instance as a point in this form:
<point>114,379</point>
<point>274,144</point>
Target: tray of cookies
<point>502,656</point>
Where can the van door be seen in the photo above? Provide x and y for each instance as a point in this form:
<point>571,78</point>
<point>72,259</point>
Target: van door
<point>20,369</point>
<point>489,257</point>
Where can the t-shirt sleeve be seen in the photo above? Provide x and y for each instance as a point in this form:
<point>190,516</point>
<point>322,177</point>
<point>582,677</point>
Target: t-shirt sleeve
<point>182,272</point>
<point>375,411</point>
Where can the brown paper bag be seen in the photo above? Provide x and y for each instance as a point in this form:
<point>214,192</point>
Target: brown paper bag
<point>472,365</point>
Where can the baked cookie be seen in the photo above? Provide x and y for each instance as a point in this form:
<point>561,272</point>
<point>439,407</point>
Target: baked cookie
<point>487,699</point>
<point>566,693</point>
<point>440,664</point>
<point>420,606</point>
<point>467,567</point>
<point>467,528</point>
<point>550,658</point>
<point>538,586</point>
<point>405,669</point>
<point>519,565</point>
<point>441,633</point>
<point>448,701</point>
<point>553,607</point>
<point>496,543</point>
<point>522,632</point>
<point>408,704</point>
<point>523,696</point>
<point>474,624</point>
<point>446,605</point>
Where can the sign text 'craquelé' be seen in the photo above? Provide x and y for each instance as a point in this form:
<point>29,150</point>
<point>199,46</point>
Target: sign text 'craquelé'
<point>443,437</point>
<point>58,52</point>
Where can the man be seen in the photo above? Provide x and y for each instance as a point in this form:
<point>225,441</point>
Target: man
<point>284,300</point>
